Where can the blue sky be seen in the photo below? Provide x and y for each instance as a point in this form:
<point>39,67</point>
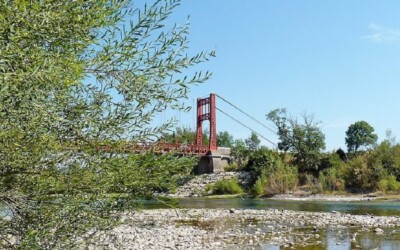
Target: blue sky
<point>338,60</point>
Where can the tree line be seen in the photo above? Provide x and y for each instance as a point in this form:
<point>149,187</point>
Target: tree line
<point>300,158</point>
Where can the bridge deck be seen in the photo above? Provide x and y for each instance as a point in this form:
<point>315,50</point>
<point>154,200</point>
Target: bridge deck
<point>163,147</point>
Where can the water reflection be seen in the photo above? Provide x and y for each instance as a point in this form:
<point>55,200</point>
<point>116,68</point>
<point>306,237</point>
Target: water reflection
<point>338,239</point>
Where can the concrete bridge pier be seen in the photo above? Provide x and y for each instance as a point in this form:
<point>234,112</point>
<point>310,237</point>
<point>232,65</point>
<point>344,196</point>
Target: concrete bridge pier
<point>214,161</point>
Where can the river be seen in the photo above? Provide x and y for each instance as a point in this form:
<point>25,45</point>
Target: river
<point>330,237</point>
<point>381,208</point>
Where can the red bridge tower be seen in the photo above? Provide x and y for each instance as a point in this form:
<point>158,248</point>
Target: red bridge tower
<point>206,111</point>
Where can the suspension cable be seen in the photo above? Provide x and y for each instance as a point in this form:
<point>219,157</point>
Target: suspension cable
<point>245,126</point>
<point>240,110</point>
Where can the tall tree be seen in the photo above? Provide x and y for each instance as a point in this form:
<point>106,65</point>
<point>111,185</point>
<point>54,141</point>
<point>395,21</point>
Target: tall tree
<point>253,142</point>
<point>305,140</point>
<point>75,76</point>
<point>360,134</point>
<point>224,139</point>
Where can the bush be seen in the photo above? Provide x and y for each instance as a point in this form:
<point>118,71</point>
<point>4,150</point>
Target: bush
<point>389,155</point>
<point>393,184</point>
<point>232,167</point>
<point>284,179</point>
<point>383,185</point>
<point>263,159</point>
<point>389,184</point>
<point>365,171</point>
<point>258,188</point>
<point>225,187</point>
<point>334,174</point>
<point>310,183</point>
<point>332,179</point>
<point>281,180</point>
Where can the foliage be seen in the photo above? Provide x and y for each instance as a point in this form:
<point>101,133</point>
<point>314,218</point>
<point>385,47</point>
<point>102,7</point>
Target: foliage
<point>305,140</point>
<point>332,179</point>
<point>261,159</point>
<point>225,187</point>
<point>258,188</point>
<point>80,81</point>
<point>389,184</point>
<point>360,134</point>
<point>239,153</point>
<point>388,154</point>
<point>184,135</point>
<point>232,167</point>
<point>253,142</point>
<point>273,176</point>
<point>365,172</point>
<point>334,172</point>
<point>224,139</point>
<point>310,183</point>
<point>282,179</point>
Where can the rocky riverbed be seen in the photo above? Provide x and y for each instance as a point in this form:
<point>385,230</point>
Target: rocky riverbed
<point>237,229</point>
<point>196,186</point>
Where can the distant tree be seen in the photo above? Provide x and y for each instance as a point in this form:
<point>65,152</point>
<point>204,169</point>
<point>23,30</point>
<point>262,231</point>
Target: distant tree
<point>360,134</point>
<point>252,142</point>
<point>305,140</point>
<point>239,153</point>
<point>224,139</point>
<point>184,135</point>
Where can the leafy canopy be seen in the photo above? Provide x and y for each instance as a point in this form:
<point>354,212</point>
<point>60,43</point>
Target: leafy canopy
<point>225,139</point>
<point>253,142</point>
<point>360,134</point>
<point>77,77</point>
<point>305,140</point>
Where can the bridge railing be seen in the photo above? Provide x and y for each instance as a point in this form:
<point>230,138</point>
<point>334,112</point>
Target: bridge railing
<point>162,147</point>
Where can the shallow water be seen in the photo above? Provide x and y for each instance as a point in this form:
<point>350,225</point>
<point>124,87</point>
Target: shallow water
<point>329,238</point>
<point>360,207</point>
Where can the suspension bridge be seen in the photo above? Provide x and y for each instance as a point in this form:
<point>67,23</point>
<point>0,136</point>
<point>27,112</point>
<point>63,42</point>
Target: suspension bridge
<point>206,111</point>
<point>212,157</point>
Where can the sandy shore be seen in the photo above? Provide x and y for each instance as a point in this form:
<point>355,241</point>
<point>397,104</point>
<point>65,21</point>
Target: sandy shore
<point>231,229</point>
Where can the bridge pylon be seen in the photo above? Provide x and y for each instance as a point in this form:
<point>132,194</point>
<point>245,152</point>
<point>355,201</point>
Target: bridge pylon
<point>206,111</point>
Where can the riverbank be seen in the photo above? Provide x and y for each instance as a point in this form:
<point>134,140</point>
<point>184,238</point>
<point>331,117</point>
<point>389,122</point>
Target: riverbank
<point>236,229</point>
<point>196,187</point>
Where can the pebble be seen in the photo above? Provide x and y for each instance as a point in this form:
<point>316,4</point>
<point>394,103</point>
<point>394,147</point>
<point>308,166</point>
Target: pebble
<point>225,228</point>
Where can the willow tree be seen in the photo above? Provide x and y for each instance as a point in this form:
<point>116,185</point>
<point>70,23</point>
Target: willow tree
<point>76,76</point>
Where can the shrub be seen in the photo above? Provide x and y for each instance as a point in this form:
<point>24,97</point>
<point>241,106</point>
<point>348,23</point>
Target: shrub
<point>232,167</point>
<point>225,187</point>
<point>263,159</point>
<point>310,183</point>
<point>281,179</point>
<point>383,185</point>
<point>334,174</point>
<point>389,184</point>
<point>284,179</point>
<point>365,172</point>
<point>389,155</point>
<point>332,179</point>
<point>393,184</point>
<point>259,186</point>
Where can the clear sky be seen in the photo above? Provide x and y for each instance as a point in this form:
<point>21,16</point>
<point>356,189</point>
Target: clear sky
<point>338,60</point>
